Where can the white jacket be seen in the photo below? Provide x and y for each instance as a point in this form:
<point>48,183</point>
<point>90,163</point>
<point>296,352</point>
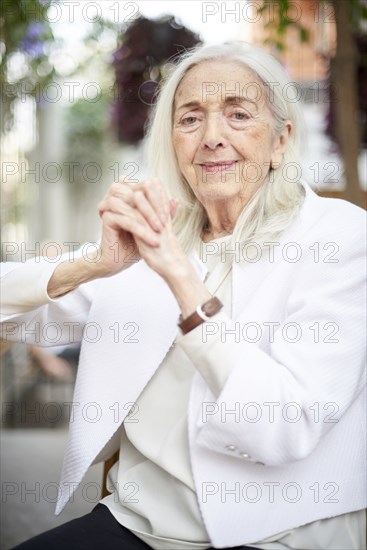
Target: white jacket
<point>284,444</point>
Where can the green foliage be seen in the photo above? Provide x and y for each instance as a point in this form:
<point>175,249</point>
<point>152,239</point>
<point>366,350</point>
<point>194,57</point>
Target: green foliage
<point>24,29</point>
<point>86,129</point>
<point>25,37</point>
<point>357,13</point>
<point>282,22</point>
<point>86,120</point>
<point>88,123</point>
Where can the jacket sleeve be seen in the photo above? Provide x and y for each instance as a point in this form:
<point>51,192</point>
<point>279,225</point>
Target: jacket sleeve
<point>277,403</point>
<point>30,316</point>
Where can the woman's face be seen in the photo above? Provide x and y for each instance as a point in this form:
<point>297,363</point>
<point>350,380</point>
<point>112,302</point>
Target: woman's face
<point>223,131</point>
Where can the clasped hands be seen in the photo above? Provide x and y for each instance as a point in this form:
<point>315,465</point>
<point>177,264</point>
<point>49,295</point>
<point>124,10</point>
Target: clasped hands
<point>137,223</point>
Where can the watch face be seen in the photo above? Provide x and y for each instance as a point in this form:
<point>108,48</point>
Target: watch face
<point>208,309</point>
<point>211,307</point>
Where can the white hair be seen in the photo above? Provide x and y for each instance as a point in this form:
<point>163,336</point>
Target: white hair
<point>275,204</point>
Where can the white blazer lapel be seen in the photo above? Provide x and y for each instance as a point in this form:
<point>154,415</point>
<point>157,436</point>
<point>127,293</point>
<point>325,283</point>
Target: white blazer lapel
<point>247,276</point>
<point>132,324</point>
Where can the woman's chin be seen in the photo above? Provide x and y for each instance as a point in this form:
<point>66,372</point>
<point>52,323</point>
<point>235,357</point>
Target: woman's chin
<point>220,191</point>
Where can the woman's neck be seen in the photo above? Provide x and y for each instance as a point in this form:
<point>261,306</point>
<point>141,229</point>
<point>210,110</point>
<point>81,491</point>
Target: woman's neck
<point>209,235</point>
<point>221,218</point>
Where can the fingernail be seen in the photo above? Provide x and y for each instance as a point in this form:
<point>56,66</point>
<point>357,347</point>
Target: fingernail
<point>158,226</point>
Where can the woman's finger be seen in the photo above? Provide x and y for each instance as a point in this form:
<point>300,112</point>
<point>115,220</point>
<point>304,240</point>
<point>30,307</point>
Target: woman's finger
<point>140,204</point>
<point>149,197</point>
<point>146,209</point>
<point>142,196</point>
<point>155,193</point>
<point>114,205</point>
<point>122,191</point>
<point>173,204</point>
<point>132,225</point>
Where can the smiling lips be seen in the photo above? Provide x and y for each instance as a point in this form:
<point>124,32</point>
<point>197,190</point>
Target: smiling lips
<point>218,166</point>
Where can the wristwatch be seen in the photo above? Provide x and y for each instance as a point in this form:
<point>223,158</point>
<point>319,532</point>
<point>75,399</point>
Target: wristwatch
<point>202,313</point>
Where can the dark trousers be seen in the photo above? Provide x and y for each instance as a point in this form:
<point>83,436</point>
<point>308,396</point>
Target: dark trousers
<point>98,530</point>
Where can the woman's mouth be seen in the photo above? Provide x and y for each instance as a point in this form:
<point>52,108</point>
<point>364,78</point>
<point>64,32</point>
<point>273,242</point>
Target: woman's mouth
<point>219,166</point>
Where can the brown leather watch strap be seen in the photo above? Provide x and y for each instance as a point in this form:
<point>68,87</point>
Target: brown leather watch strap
<point>201,314</point>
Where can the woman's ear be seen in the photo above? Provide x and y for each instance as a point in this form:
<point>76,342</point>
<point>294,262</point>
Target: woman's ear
<point>280,145</point>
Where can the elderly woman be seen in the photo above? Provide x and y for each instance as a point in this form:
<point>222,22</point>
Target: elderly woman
<point>221,321</point>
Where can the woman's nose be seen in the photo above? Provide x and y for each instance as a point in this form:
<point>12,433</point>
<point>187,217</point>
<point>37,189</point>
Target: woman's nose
<point>213,133</point>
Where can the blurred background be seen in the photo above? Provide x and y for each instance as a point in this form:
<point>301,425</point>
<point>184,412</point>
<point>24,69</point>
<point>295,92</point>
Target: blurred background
<point>77,81</point>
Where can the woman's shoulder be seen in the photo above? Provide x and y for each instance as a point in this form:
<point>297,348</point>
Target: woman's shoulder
<point>336,216</point>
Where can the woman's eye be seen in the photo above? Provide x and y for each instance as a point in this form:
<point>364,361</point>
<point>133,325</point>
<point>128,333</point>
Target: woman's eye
<point>189,120</point>
<point>240,116</point>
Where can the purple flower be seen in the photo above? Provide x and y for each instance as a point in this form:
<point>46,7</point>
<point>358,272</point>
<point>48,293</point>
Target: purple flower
<point>31,43</point>
<point>37,49</point>
<point>34,49</point>
<point>34,30</point>
<point>25,45</point>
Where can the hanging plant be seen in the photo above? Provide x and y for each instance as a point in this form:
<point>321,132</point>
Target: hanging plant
<point>147,45</point>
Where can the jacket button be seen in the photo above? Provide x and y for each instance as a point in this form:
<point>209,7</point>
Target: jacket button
<point>231,448</point>
<point>245,455</point>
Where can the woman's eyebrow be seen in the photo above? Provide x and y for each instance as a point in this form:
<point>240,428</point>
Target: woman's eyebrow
<point>228,100</point>
<point>189,104</point>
